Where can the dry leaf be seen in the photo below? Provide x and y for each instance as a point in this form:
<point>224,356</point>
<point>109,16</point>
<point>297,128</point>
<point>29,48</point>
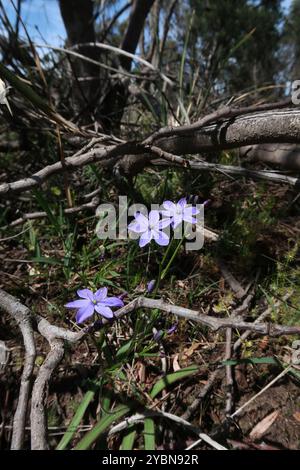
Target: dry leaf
<point>176,365</point>
<point>297,416</point>
<point>262,427</point>
<point>190,351</point>
<point>141,372</point>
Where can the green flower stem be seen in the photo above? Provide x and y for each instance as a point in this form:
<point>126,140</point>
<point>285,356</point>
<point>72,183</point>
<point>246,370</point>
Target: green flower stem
<point>161,265</point>
<point>165,271</point>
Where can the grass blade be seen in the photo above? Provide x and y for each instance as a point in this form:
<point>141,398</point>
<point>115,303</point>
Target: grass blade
<point>172,378</point>
<point>128,439</point>
<point>88,440</point>
<point>149,434</point>
<point>250,360</point>
<point>27,92</point>
<point>72,428</point>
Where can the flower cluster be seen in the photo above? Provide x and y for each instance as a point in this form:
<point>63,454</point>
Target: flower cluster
<point>158,335</point>
<point>151,228</point>
<point>90,303</point>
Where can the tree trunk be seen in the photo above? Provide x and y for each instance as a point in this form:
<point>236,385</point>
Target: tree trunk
<point>78,19</point>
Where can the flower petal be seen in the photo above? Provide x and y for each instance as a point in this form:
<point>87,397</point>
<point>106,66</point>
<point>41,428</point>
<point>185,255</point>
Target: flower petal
<point>85,294</point>
<point>141,219</point>
<point>84,313</point>
<point>151,285</point>
<point>172,329</point>
<point>177,219</point>
<point>169,205</point>
<point>182,202</point>
<point>82,303</point>
<point>161,238</point>
<point>113,302</point>
<point>154,218</point>
<point>190,219</point>
<point>165,223</point>
<point>101,294</point>
<point>191,210</point>
<point>104,311</point>
<point>135,226</point>
<point>145,238</point>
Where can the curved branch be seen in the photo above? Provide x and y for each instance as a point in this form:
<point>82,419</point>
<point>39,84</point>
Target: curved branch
<point>28,322</point>
<point>39,440</point>
<point>55,337</point>
<point>22,316</point>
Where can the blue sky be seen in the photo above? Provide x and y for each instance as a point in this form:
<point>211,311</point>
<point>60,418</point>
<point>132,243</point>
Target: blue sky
<point>40,15</point>
<point>44,16</point>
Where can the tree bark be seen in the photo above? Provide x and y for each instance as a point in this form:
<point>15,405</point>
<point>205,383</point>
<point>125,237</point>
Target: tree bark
<point>137,19</point>
<point>78,19</point>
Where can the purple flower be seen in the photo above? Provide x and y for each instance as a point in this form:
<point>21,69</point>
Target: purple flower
<point>150,286</point>
<point>179,212</point>
<point>172,329</point>
<point>90,302</point>
<point>149,228</point>
<point>157,336</point>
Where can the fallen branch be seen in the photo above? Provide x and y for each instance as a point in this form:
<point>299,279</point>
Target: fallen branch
<point>259,319</point>
<point>39,438</point>
<point>264,175</point>
<point>261,127</point>
<point>224,113</point>
<point>28,322</point>
<point>40,215</point>
<point>213,323</point>
<point>55,337</point>
<point>106,156</point>
<point>162,414</point>
<point>21,314</point>
<point>213,378</point>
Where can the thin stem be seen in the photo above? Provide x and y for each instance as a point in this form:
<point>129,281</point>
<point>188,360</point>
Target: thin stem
<point>161,265</point>
<point>165,271</point>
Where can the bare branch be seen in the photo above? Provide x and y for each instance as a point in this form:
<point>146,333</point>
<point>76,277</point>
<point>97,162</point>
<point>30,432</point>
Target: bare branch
<point>265,126</point>
<point>261,127</point>
<point>213,378</point>
<point>213,323</point>
<point>38,416</point>
<point>224,113</point>
<point>22,316</point>
<point>40,215</point>
<point>162,414</point>
<point>105,155</point>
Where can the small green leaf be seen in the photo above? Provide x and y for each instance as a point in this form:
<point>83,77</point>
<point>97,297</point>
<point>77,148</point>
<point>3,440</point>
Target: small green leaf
<point>56,190</point>
<point>45,260</point>
<point>250,360</point>
<point>124,350</point>
<point>172,378</point>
